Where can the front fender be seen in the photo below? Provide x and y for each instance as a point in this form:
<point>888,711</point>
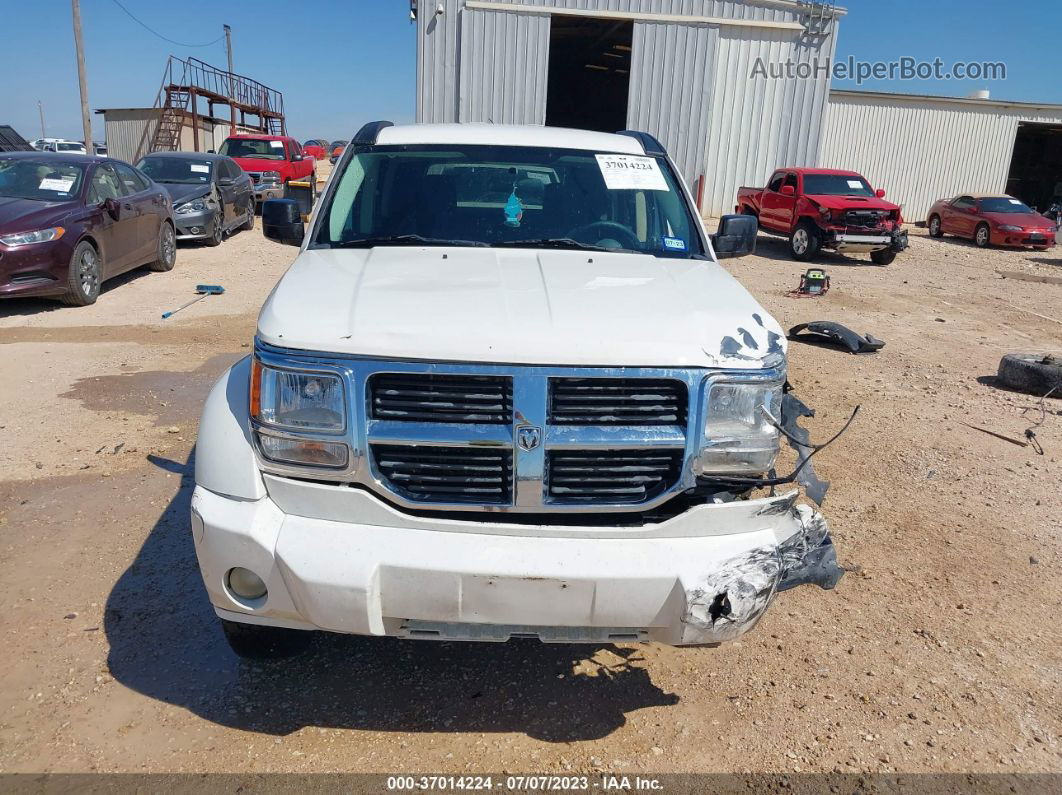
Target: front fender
<point>224,454</point>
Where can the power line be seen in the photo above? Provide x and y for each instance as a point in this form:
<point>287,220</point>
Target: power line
<point>156,33</point>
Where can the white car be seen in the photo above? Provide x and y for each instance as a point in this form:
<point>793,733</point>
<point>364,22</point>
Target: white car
<point>59,145</point>
<point>505,390</point>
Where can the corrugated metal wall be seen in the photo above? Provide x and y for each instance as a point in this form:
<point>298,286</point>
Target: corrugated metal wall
<point>920,149</point>
<point>691,84</point>
<point>124,128</point>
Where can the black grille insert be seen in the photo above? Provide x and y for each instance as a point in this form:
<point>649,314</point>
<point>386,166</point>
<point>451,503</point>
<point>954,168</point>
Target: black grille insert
<point>447,474</point>
<point>611,476</point>
<point>427,397</point>
<point>617,401</point>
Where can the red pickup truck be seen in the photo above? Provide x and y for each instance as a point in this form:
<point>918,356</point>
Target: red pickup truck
<point>272,161</point>
<point>821,208</point>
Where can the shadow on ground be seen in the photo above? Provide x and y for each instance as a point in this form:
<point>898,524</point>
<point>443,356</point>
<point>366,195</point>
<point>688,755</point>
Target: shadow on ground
<point>14,306</point>
<point>166,642</point>
<point>777,248</point>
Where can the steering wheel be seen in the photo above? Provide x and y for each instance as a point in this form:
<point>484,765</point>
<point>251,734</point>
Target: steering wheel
<point>596,231</point>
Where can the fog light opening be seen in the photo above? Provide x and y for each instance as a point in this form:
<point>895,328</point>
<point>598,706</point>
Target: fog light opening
<point>246,585</point>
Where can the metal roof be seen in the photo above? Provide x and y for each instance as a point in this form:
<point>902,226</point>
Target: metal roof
<point>986,103</point>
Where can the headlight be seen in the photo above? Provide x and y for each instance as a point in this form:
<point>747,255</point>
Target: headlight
<point>192,207</point>
<point>1009,228</point>
<point>737,437</point>
<point>38,236</point>
<point>297,401</point>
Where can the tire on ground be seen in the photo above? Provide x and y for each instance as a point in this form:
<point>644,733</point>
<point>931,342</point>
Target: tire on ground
<point>882,257</point>
<point>813,245</point>
<point>76,292</point>
<point>1034,373</point>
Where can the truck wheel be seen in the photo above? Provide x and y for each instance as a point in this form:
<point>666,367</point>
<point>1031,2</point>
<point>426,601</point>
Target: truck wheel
<point>85,276</point>
<point>934,226</point>
<point>882,257</point>
<point>257,642</point>
<point>805,242</point>
<point>1034,373</point>
<point>983,236</point>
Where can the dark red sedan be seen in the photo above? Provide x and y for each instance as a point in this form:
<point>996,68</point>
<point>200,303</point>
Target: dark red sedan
<point>70,222</point>
<point>991,220</point>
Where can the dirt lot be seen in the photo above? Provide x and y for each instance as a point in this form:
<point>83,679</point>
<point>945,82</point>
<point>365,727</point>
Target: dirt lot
<point>941,650</point>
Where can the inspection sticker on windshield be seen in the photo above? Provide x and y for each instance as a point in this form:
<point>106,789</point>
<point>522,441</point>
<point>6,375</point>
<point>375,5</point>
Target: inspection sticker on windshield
<point>61,185</point>
<point>277,144</point>
<point>631,172</point>
<point>674,244</point>
<point>854,183</point>
<point>199,168</point>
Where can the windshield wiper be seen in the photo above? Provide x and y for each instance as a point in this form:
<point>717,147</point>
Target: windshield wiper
<point>552,242</point>
<point>398,240</point>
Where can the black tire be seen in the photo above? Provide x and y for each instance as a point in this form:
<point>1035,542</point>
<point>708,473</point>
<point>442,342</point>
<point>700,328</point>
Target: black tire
<point>982,236</point>
<point>1034,373</point>
<point>248,225</point>
<point>805,242</point>
<point>256,642</point>
<point>217,233</point>
<point>85,276</point>
<point>165,249</point>
<point>934,225</point>
<point>883,256</point>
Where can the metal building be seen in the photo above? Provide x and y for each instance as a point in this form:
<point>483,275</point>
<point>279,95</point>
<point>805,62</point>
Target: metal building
<point>924,148</point>
<point>697,74</point>
<point>126,130</point>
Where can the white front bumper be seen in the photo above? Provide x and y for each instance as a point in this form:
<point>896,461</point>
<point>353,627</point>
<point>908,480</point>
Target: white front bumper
<point>704,576</point>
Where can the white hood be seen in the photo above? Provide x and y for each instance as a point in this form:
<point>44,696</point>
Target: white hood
<point>518,307</point>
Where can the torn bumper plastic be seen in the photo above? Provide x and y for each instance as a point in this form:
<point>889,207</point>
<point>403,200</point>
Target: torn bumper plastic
<point>339,559</point>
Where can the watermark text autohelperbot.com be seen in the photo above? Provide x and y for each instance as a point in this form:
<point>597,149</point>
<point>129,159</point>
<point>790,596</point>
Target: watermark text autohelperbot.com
<point>904,68</point>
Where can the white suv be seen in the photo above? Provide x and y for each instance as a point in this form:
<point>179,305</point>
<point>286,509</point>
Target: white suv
<point>505,390</point>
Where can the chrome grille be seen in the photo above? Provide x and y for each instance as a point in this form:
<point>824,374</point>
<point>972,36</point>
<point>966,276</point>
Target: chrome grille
<point>428,397</point>
<point>617,401</point>
<point>632,476</point>
<point>447,474</point>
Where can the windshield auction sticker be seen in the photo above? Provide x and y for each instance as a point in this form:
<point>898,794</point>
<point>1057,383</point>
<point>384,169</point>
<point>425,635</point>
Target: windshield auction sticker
<point>631,172</point>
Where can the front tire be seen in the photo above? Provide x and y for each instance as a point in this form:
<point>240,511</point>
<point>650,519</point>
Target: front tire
<point>85,276</point>
<point>882,257</point>
<point>257,642</point>
<point>805,242</point>
<point>166,250</point>
<point>248,225</point>
<point>935,229</point>
<point>983,236</point>
<point>217,234</point>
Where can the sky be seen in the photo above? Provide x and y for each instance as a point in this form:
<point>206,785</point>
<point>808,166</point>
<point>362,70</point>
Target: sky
<point>341,63</point>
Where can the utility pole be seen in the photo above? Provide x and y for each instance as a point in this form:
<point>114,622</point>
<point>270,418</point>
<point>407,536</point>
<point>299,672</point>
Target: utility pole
<point>82,79</point>
<point>232,88</point>
<point>40,109</point>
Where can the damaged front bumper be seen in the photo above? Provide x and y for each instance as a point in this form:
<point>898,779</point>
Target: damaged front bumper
<point>844,241</point>
<point>702,577</point>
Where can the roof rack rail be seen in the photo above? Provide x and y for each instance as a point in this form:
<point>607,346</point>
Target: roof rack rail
<point>370,132</point>
<point>648,142</point>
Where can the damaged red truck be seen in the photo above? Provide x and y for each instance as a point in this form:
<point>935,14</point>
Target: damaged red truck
<point>821,208</point>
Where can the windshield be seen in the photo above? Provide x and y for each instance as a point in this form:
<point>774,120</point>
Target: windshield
<point>176,170</point>
<point>836,185</point>
<point>258,148</point>
<point>509,196</point>
<point>69,147</point>
<point>40,179</point>
<point>1005,205</point>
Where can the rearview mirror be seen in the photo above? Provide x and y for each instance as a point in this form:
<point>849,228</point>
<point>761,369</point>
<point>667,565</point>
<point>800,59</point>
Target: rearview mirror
<point>282,221</point>
<point>736,236</point>
<point>880,193</point>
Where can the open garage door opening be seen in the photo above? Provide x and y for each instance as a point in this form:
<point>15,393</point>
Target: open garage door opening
<point>1036,167</point>
<point>589,73</point>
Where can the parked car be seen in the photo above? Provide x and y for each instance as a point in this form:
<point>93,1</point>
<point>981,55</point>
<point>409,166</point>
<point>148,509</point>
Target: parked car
<point>212,196</point>
<point>991,220</point>
<point>98,148</point>
<point>335,150</point>
<point>473,417</point>
<point>818,208</point>
<point>66,147</point>
<point>70,222</point>
<point>271,161</point>
<point>316,148</point>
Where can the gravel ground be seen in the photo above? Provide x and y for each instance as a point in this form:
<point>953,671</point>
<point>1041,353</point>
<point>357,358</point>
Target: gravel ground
<point>939,651</point>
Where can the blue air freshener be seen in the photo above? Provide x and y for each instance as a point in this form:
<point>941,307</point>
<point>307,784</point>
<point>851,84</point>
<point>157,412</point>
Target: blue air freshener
<point>514,211</point>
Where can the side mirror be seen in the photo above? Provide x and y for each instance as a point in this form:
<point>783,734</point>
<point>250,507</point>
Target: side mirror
<point>211,152</point>
<point>787,190</point>
<point>112,208</point>
<point>880,193</point>
<point>282,221</point>
<point>736,236</point>
<point>296,158</point>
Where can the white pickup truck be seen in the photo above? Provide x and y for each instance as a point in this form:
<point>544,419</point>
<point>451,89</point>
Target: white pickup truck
<point>505,390</point>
